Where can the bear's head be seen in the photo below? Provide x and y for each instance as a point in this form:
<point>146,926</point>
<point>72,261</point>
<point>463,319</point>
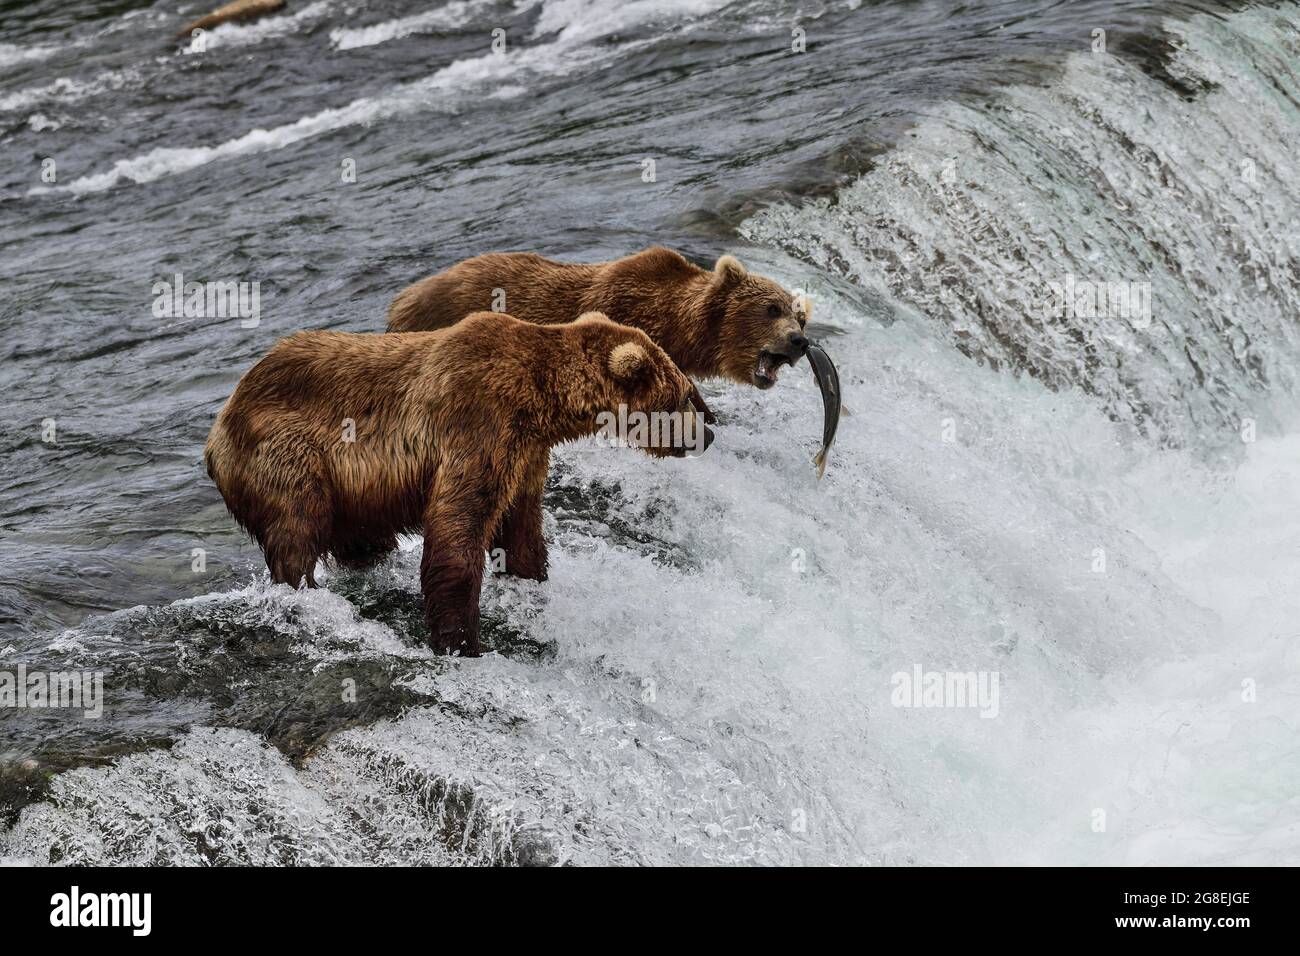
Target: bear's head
<point>761,324</point>
<point>649,402</point>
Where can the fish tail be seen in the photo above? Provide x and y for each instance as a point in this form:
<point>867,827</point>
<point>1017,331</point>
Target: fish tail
<point>819,460</point>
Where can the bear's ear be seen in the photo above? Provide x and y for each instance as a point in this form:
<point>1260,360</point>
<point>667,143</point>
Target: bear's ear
<point>803,306</point>
<point>628,362</point>
<point>728,271</point>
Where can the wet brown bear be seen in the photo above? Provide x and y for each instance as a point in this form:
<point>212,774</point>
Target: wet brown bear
<point>333,444</point>
<point>727,323</point>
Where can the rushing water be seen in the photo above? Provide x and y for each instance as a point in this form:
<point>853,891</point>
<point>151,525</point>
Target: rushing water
<point>1100,509</point>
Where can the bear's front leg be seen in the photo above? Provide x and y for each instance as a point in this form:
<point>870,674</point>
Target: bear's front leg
<point>456,523</point>
<point>451,586</point>
<point>518,537</point>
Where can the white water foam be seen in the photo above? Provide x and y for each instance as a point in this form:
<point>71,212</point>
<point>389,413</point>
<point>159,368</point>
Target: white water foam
<point>40,123</point>
<point>581,21</point>
<point>458,13</point>
<point>1105,175</point>
<point>327,626</point>
<point>67,90</point>
<point>218,797</point>
<point>12,54</point>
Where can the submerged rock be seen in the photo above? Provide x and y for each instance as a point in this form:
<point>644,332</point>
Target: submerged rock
<point>293,668</point>
<point>223,662</point>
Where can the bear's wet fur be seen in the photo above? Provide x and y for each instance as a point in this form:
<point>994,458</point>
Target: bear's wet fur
<point>335,443</point>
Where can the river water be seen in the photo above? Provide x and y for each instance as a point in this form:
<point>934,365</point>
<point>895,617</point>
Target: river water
<point>1102,509</point>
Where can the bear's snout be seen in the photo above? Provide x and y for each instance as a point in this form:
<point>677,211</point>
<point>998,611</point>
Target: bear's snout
<point>789,347</point>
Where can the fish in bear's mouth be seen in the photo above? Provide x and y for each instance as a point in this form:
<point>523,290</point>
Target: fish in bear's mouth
<point>768,367</point>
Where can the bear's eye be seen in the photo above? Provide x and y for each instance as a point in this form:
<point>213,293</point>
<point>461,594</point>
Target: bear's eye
<point>774,311</point>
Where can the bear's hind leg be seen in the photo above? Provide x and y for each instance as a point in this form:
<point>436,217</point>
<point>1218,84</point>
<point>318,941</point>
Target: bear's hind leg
<point>296,502</point>
<point>290,559</point>
<point>295,541</point>
<point>298,538</point>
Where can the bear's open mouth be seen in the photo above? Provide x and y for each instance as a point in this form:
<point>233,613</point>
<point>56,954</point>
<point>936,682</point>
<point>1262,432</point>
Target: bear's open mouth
<point>768,368</point>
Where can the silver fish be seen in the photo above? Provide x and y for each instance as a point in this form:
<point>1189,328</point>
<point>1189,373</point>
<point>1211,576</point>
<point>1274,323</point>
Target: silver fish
<point>828,380</point>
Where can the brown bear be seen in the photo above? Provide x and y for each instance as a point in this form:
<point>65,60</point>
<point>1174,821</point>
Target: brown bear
<point>727,323</point>
<point>335,443</point>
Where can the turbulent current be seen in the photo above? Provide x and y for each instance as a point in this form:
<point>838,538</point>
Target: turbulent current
<point>1052,252</point>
